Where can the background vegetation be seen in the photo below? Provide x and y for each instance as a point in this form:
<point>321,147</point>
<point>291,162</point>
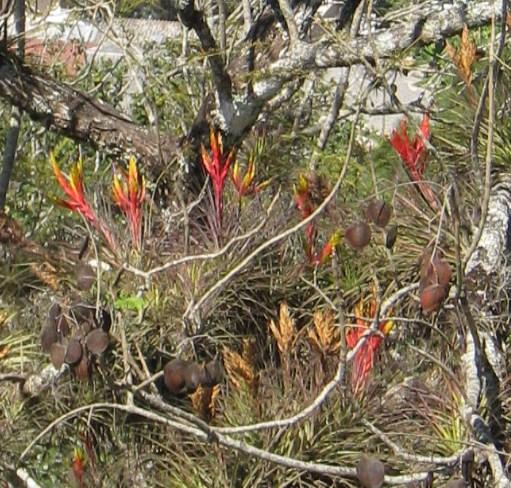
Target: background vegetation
<point>273,290</point>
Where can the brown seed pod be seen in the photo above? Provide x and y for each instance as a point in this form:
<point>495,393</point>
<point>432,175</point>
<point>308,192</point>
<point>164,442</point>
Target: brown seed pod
<point>104,320</point>
<point>49,336</point>
<point>82,369</point>
<point>85,276</point>
<point>85,328</point>
<point>97,341</point>
<point>57,354</point>
<point>358,235</point>
<point>195,375</point>
<point>214,373</point>
<point>82,312</point>
<point>62,326</point>
<point>379,212</point>
<point>174,375</point>
<point>391,236</point>
<point>54,311</point>
<point>442,271</point>
<point>74,351</point>
<point>434,271</point>
<point>370,472</point>
<point>432,297</point>
<point>183,376</point>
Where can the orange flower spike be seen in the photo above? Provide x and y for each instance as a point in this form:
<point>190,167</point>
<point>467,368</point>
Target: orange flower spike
<point>241,184</point>
<point>128,191</point>
<point>363,362</point>
<point>412,153</point>
<point>118,193</point>
<point>328,248</point>
<point>248,179</point>
<point>136,183</point>
<point>73,187</point>
<point>245,185</point>
<point>217,147</point>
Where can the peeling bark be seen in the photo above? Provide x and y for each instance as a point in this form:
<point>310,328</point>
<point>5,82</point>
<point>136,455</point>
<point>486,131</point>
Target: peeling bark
<point>76,115</point>
<point>483,360</point>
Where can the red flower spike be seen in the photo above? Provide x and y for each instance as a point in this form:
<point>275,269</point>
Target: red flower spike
<point>303,202</point>
<point>217,166</point>
<point>128,190</point>
<point>363,361</point>
<point>413,154</point>
<point>73,187</point>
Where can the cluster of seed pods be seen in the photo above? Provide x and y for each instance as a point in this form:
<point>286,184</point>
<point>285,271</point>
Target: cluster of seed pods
<point>184,377</point>
<point>73,335</point>
<point>378,212</point>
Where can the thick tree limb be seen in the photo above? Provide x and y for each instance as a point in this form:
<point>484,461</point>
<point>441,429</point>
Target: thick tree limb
<point>193,19</point>
<point>75,114</point>
<point>11,139</point>
<point>430,24</point>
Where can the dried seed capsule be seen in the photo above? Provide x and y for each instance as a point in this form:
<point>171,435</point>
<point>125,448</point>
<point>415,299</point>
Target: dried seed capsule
<point>54,311</point>
<point>358,235</point>
<point>443,272</point>
<point>370,472</point>
<point>82,370</point>
<point>49,336</point>
<point>74,351</point>
<point>85,276</point>
<point>183,376</point>
<point>174,376</point>
<point>57,354</point>
<point>62,326</point>
<point>455,484</point>
<point>391,236</point>
<point>82,312</point>
<point>214,373</point>
<point>432,298</point>
<point>97,341</point>
<point>379,212</point>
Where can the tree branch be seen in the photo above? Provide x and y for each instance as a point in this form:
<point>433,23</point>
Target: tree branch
<point>75,114</point>
<point>193,19</point>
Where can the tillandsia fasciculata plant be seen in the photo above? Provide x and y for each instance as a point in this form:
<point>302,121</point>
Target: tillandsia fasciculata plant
<point>128,189</point>
<point>76,201</point>
<point>413,153</point>
<point>128,192</point>
<point>217,164</point>
<point>306,206</point>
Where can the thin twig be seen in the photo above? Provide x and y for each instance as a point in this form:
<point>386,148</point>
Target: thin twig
<point>416,458</point>
<point>205,256</point>
<point>287,12</point>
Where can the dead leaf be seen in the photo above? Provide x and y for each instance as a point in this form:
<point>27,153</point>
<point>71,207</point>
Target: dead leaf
<point>285,331</point>
<point>4,351</point>
<point>463,58</point>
